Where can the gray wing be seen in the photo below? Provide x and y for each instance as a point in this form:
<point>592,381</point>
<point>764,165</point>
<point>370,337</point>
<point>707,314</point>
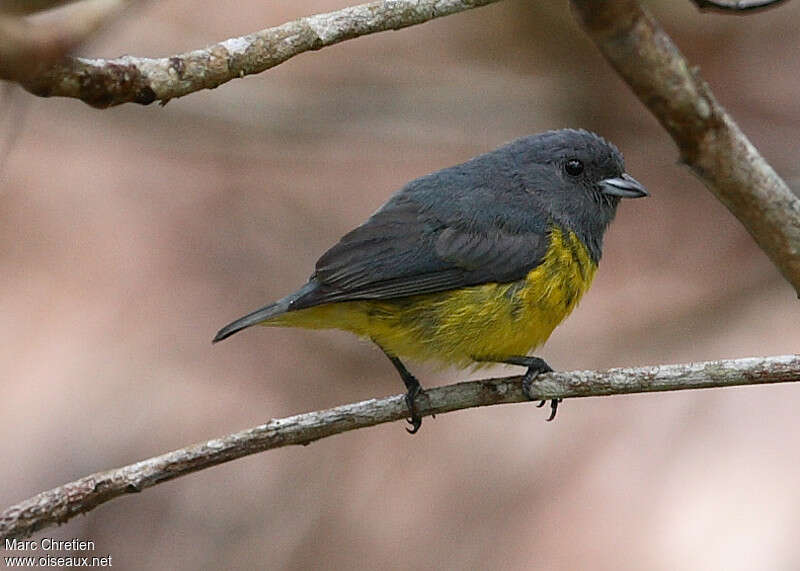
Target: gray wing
<point>437,234</point>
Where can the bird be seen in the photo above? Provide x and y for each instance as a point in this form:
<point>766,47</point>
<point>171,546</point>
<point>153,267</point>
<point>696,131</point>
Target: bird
<point>470,265</point>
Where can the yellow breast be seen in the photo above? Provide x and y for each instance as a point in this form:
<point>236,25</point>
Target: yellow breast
<point>479,323</point>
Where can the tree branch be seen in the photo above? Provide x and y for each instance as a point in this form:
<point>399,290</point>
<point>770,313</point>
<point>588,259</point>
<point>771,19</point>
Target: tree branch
<point>103,83</point>
<point>709,140</point>
<point>61,504</point>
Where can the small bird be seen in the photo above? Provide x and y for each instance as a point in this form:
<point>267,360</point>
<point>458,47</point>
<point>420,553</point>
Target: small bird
<point>476,263</point>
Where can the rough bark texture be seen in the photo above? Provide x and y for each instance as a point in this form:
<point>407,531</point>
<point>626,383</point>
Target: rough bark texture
<point>103,83</point>
<point>61,504</point>
<point>709,140</point>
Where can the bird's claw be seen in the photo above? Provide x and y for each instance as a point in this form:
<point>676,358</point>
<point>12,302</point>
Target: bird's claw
<point>553,407</point>
<point>416,420</point>
<point>536,367</point>
<point>415,423</point>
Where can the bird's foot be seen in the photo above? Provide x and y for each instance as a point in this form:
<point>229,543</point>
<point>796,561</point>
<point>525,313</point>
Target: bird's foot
<point>416,420</point>
<point>536,366</point>
<point>414,389</point>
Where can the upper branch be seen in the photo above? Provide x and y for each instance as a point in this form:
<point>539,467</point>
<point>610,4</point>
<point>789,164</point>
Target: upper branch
<point>61,504</point>
<point>102,83</point>
<point>709,140</point>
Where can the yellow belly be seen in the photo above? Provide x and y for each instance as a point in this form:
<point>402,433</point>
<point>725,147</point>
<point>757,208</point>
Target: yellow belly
<point>488,322</point>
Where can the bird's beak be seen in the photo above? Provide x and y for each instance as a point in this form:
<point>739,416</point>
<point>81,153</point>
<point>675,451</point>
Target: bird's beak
<point>624,186</point>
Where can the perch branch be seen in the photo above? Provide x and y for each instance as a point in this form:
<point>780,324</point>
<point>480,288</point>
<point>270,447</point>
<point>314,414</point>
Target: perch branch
<point>102,83</point>
<point>709,140</point>
<point>60,504</point>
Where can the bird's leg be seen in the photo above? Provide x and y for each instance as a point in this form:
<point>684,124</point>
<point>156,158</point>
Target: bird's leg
<point>413,387</point>
<point>536,366</point>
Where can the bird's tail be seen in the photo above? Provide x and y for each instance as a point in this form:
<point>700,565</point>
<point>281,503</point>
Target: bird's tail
<point>264,314</point>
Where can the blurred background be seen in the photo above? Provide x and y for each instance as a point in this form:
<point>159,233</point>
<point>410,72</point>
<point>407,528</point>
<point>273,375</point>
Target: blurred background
<point>131,235</point>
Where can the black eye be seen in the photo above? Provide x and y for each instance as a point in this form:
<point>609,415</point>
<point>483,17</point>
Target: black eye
<point>573,167</point>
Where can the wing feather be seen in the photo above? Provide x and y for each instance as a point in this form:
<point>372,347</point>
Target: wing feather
<point>432,237</point>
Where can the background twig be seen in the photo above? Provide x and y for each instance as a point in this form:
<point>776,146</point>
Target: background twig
<point>60,504</point>
<point>709,140</point>
<point>102,83</point>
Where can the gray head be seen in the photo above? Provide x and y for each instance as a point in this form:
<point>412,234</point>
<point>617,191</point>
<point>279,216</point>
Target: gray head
<point>578,177</point>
